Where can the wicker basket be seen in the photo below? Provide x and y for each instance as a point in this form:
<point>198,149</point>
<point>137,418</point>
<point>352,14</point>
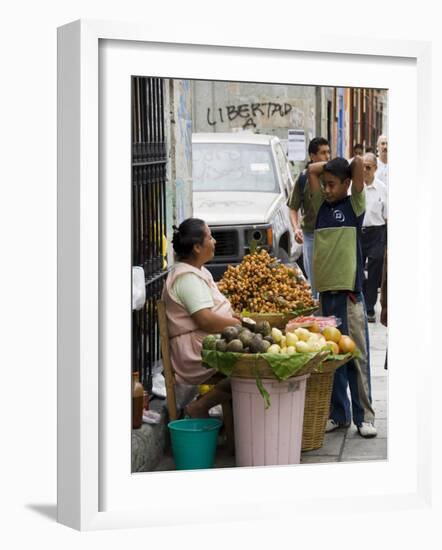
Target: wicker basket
<point>317,404</point>
<point>248,365</point>
<point>279,320</point>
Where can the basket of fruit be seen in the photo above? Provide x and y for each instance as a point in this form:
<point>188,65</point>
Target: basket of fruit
<point>255,349</point>
<point>263,288</point>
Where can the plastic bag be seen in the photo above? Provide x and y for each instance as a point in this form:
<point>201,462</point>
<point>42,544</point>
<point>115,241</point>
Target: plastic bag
<point>151,417</point>
<point>138,288</point>
<point>309,320</point>
<point>158,385</point>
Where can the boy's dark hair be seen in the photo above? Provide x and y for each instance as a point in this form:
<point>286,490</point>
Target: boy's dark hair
<point>358,146</point>
<point>338,167</point>
<point>190,232</point>
<point>313,146</point>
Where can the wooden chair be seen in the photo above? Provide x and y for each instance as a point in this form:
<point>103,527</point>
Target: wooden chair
<point>169,376</point>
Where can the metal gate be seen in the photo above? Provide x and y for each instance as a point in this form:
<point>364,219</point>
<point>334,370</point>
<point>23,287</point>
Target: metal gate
<point>148,217</point>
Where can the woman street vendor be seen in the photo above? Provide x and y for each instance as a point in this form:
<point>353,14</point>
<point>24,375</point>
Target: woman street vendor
<point>195,308</point>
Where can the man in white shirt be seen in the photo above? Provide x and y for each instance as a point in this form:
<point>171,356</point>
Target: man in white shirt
<point>374,232</point>
<point>382,170</point>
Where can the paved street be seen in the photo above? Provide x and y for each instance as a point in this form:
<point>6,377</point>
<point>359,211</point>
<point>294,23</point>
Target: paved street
<point>342,445</point>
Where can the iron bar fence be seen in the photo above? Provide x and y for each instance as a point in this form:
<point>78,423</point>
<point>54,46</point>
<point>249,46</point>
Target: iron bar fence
<point>149,163</point>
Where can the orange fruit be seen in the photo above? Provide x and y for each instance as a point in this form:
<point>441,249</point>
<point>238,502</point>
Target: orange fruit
<point>332,333</point>
<point>346,344</point>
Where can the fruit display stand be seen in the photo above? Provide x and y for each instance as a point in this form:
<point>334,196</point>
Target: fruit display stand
<point>317,402</point>
<point>272,434</point>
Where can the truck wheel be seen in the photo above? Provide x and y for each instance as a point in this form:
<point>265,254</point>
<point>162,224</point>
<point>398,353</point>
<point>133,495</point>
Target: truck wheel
<point>283,256</point>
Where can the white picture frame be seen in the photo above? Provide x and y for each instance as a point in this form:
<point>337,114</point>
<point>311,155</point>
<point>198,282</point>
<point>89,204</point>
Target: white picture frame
<point>84,48</point>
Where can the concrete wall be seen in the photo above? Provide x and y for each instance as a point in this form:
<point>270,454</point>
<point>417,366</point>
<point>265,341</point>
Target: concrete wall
<point>326,95</point>
<point>178,120</point>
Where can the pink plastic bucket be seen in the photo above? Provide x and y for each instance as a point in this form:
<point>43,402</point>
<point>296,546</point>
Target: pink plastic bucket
<point>265,437</point>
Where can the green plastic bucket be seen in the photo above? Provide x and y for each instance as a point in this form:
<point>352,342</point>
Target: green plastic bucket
<point>194,442</point>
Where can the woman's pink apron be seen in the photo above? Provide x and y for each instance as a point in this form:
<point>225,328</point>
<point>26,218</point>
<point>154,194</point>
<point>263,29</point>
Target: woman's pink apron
<point>185,336</point>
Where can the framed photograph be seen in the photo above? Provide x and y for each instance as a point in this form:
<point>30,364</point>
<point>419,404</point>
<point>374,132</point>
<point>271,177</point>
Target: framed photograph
<point>97,487</point>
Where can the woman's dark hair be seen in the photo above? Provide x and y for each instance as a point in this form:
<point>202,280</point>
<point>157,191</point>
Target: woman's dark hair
<point>190,232</point>
<point>338,167</point>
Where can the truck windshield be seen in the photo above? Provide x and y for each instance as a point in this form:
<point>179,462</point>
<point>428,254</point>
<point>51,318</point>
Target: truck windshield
<point>233,167</point>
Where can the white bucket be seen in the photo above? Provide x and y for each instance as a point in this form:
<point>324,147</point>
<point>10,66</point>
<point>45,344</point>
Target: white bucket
<point>265,437</point>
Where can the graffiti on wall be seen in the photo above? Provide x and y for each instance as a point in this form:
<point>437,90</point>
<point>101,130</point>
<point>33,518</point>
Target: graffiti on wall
<point>247,113</point>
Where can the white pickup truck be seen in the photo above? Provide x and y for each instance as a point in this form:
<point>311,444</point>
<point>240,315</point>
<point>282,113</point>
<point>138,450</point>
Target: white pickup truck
<point>241,182</point>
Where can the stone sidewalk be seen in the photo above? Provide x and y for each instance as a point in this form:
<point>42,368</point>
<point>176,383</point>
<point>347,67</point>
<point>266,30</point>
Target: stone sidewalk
<point>343,445</point>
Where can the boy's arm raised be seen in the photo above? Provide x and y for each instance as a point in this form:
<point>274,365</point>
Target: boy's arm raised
<point>315,169</point>
<point>357,187</point>
<point>357,174</point>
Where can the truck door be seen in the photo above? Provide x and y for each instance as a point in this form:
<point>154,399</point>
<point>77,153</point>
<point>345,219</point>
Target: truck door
<point>286,178</point>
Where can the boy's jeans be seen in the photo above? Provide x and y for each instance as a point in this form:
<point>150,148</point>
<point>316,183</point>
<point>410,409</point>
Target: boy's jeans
<point>350,309</point>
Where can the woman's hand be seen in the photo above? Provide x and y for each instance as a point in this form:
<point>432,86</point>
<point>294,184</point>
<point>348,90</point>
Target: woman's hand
<point>212,322</point>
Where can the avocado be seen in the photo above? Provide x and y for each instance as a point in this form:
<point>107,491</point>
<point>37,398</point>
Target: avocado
<point>229,334</point>
<point>263,327</point>
<point>248,323</point>
<point>269,339</point>
<point>221,345</point>
<point>246,336</point>
<point>257,345</point>
<point>209,342</point>
<point>266,345</point>
<point>235,346</point>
